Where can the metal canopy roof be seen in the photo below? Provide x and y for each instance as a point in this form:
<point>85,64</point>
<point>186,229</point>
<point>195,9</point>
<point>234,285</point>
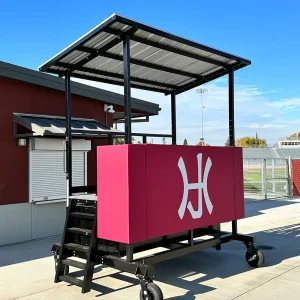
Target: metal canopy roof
<point>44,125</point>
<point>160,61</point>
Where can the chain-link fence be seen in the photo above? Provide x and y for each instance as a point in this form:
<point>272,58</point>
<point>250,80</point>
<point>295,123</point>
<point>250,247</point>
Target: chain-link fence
<point>269,178</point>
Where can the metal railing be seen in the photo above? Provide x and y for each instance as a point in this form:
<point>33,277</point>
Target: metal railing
<point>270,178</point>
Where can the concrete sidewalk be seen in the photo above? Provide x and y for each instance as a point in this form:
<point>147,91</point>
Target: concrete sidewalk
<point>27,270</point>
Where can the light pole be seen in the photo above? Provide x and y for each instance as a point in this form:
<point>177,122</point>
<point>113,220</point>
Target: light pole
<point>202,91</point>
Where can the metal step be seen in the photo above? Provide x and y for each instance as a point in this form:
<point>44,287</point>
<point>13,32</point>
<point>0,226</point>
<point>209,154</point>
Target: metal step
<point>90,206</point>
<point>82,215</point>
<point>80,230</point>
<point>71,280</point>
<point>74,263</point>
<point>77,247</point>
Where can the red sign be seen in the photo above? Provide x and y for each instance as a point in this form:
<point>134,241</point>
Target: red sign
<point>146,191</point>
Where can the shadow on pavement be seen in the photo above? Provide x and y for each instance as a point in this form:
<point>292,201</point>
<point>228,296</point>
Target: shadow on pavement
<point>193,271</point>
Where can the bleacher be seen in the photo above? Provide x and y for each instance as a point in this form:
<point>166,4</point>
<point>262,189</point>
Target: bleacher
<point>292,153</point>
<point>269,153</point>
<point>258,153</point>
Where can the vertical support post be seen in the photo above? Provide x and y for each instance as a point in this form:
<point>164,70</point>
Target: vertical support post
<point>264,178</point>
<point>68,135</point>
<point>231,123</point>
<point>110,139</point>
<point>127,89</point>
<point>173,117</point>
<point>231,107</point>
<point>288,176</point>
<point>191,237</point>
<point>144,139</point>
<point>273,175</point>
<point>129,253</point>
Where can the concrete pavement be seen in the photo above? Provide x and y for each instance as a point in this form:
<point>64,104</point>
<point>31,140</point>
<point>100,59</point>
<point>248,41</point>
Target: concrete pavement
<point>27,270</point>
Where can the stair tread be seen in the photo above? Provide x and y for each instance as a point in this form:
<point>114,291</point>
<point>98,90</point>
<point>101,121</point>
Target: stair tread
<point>74,263</point>
<point>71,280</point>
<point>77,247</point>
<point>82,215</point>
<point>86,205</point>
<point>79,230</point>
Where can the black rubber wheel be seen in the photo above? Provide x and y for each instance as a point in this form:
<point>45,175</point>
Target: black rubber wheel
<point>255,258</point>
<point>154,291</point>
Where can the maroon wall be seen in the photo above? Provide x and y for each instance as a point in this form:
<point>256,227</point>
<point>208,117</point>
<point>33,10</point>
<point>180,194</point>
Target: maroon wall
<point>22,97</point>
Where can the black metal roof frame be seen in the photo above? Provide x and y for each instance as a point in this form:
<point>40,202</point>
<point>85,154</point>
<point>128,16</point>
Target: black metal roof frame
<point>180,71</point>
<point>98,56</point>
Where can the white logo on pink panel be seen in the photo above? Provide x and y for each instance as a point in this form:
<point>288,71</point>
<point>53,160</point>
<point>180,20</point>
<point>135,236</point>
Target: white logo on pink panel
<point>200,186</point>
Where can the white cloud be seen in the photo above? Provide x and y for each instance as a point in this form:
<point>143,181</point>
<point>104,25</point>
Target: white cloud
<point>286,104</point>
<point>254,112</point>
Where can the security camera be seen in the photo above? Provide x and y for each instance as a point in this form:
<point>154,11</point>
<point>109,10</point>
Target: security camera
<point>109,108</point>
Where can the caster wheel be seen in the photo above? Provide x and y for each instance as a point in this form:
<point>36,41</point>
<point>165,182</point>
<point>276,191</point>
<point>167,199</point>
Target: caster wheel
<point>255,258</point>
<point>154,292</point>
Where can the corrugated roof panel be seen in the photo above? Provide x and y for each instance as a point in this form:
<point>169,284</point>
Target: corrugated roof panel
<point>190,59</point>
<point>120,26</point>
<point>199,67</point>
<point>211,71</point>
<point>168,42</point>
<point>58,68</point>
<point>97,76</point>
<point>117,80</point>
<point>74,57</point>
<point>99,40</point>
<point>105,64</point>
<point>102,63</point>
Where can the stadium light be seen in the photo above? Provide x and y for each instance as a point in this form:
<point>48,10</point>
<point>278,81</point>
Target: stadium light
<point>202,91</point>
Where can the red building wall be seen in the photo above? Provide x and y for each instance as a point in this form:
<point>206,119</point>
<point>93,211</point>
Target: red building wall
<point>22,97</point>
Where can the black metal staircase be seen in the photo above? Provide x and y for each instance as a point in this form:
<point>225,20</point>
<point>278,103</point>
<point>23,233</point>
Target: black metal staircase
<point>79,239</point>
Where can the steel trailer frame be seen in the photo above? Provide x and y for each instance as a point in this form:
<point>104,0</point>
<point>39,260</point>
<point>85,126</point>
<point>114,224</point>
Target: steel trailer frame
<point>117,255</point>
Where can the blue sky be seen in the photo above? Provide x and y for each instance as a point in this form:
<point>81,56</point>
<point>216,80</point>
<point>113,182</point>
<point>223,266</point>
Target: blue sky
<point>266,32</point>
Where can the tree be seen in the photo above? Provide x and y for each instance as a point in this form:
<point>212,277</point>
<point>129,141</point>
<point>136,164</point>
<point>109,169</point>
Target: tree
<point>251,142</point>
<point>119,141</point>
<point>201,143</point>
<point>293,136</point>
<point>227,142</point>
<point>185,142</point>
<point>164,140</point>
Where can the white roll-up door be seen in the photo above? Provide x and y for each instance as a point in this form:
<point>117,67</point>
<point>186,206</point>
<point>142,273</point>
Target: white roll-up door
<point>47,176</point>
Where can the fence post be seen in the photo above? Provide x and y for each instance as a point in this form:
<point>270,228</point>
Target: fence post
<point>273,175</point>
<point>288,172</point>
<point>264,177</point>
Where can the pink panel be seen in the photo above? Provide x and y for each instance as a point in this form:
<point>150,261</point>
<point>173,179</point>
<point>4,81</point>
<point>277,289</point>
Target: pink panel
<point>239,183</point>
<point>121,193</point>
<point>112,193</point>
<point>165,188</point>
<point>137,194</point>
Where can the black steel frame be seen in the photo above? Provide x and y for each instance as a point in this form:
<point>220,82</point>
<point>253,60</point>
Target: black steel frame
<point>112,253</point>
<point>130,35</point>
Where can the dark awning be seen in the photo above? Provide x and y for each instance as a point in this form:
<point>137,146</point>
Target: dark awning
<point>44,125</point>
<point>119,117</point>
<point>160,61</point>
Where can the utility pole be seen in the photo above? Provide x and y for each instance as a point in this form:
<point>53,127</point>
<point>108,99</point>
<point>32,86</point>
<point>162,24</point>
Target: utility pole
<point>202,91</point>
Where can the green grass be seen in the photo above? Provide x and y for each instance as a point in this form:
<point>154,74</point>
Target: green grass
<point>253,180</point>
